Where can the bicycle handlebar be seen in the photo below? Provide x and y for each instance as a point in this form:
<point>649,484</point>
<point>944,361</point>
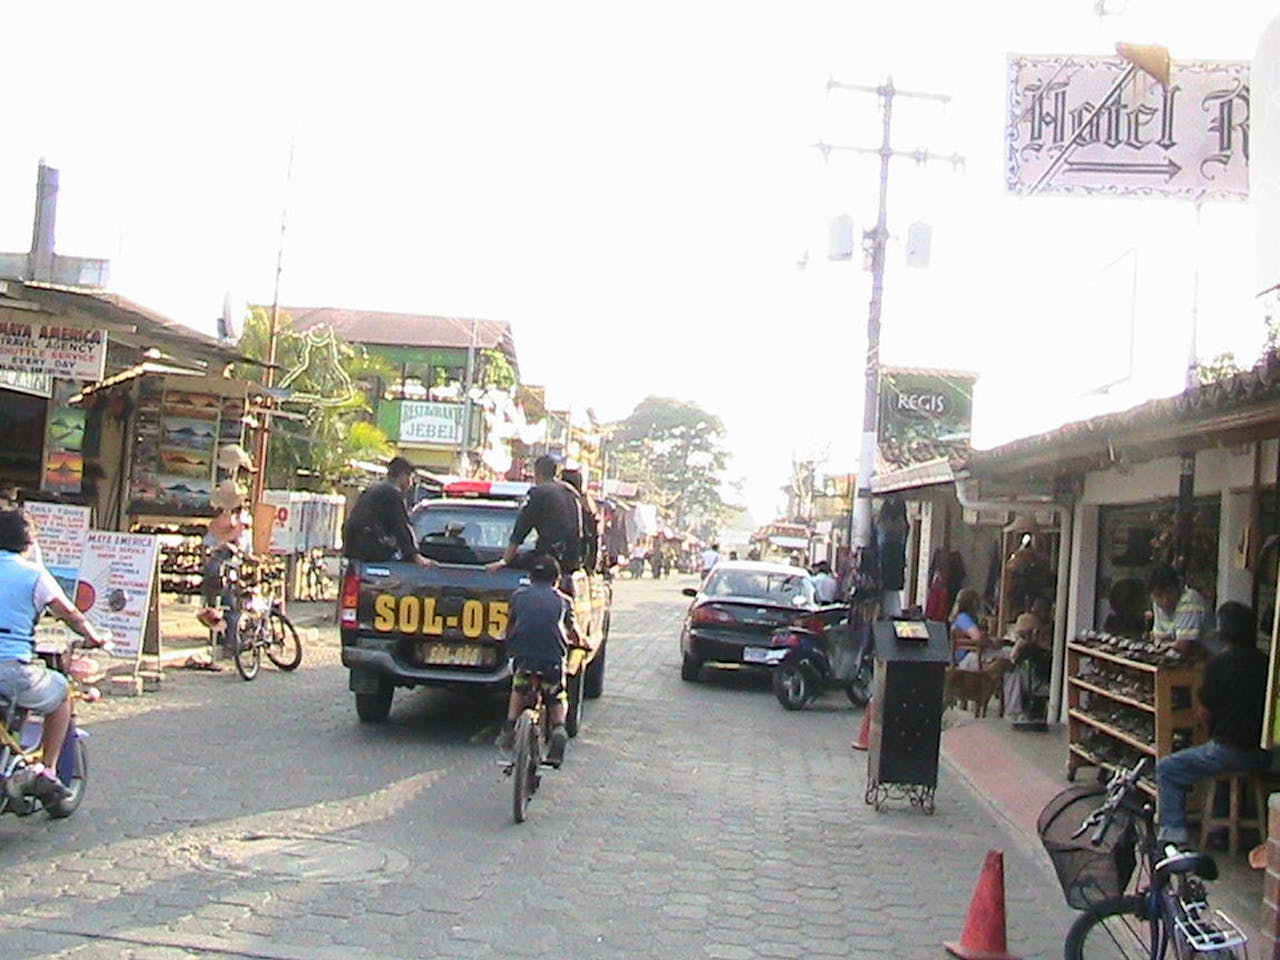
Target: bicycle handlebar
<point>1118,787</point>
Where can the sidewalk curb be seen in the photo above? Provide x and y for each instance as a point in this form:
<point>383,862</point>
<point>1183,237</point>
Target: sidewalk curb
<point>1028,843</point>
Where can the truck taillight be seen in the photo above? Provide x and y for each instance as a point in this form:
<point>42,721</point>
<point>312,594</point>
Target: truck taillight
<point>350,598</point>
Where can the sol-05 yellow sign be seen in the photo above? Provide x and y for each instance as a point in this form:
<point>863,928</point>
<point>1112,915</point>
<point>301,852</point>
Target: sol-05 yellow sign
<point>421,615</point>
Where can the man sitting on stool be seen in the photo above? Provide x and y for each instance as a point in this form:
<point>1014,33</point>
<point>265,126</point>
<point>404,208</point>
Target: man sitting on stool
<point>1231,703</point>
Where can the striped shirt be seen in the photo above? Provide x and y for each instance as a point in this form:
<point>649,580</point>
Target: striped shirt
<point>1187,622</point>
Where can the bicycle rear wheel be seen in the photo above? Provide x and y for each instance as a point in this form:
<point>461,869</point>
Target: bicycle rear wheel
<point>285,649</point>
<point>524,764</point>
<point>1116,928</point>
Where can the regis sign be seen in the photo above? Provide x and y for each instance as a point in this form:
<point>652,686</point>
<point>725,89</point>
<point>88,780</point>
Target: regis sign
<point>924,414</point>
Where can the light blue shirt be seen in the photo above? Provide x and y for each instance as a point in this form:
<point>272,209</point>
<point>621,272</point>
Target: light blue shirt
<point>22,584</point>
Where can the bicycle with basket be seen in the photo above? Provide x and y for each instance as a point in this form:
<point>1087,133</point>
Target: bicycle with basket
<point>1139,898</point>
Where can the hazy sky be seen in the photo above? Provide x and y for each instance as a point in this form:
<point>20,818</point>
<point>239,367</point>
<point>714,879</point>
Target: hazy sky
<point>631,186</point>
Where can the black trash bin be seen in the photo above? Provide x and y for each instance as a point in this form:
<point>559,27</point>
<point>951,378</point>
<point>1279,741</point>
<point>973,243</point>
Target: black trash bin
<point>906,711</point>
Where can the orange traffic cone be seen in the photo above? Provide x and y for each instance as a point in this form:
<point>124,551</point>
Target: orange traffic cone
<point>862,741</point>
<point>983,937</point>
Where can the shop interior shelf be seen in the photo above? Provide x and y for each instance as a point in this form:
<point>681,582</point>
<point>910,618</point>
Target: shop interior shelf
<point>1092,761</point>
<point>1112,658</point>
<point>1111,694</point>
<point>1111,731</point>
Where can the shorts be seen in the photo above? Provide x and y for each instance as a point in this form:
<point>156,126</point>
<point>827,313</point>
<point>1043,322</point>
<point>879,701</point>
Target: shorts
<point>32,685</point>
<point>552,674</point>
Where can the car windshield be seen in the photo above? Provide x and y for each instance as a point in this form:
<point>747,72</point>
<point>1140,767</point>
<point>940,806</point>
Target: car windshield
<point>476,526</point>
<point>793,589</point>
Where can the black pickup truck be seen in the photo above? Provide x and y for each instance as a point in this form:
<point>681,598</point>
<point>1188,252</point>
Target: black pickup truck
<point>404,625</point>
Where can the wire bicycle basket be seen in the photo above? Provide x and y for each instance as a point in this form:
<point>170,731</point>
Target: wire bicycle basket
<point>1087,872</point>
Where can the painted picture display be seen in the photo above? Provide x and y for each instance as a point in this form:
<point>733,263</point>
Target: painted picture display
<point>178,436</point>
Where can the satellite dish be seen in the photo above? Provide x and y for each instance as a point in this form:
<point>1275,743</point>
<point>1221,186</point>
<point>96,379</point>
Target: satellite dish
<point>228,324</point>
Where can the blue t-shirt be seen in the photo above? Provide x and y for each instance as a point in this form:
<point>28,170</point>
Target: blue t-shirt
<point>964,622</point>
<point>538,615</point>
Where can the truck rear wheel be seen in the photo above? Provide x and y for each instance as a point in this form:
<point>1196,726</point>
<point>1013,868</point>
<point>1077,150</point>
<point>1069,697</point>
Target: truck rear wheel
<point>593,682</point>
<point>573,719</point>
<point>375,707</point>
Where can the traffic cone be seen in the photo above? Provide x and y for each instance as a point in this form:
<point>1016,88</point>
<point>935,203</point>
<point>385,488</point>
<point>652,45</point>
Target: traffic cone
<point>983,937</point>
<point>863,740</point>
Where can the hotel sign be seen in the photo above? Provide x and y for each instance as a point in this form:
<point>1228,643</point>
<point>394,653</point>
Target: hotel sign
<point>1070,130</point>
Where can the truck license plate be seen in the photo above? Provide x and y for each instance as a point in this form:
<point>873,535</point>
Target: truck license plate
<point>453,655</point>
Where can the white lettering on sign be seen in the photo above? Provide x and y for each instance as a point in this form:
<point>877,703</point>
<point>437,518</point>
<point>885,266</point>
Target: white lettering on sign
<point>931,403</point>
<point>69,353</point>
<point>430,422</point>
<point>1071,131</point>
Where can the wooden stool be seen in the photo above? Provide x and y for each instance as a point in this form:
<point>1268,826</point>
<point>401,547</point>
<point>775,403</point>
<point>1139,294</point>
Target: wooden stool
<point>1241,785</point>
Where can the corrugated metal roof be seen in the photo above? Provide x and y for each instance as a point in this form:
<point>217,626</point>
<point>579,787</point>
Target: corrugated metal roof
<point>118,314</point>
<point>407,329</point>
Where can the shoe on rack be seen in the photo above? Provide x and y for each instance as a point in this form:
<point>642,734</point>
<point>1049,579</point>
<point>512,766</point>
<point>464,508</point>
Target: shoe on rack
<point>559,738</point>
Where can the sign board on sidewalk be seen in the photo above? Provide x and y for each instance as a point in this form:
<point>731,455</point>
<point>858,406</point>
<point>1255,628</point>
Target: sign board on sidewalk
<point>69,353</point>
<point>61,529</point>
<point>116,577</point>
<point>1189,139</point>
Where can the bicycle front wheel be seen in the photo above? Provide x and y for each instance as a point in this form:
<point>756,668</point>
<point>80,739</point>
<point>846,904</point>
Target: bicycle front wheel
<point>248,656</point>
<point>1113,929</point>
<point>285,649</point>
<point>523,759</point>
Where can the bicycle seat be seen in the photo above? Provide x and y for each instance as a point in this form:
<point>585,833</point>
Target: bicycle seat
<point>1185,861</point>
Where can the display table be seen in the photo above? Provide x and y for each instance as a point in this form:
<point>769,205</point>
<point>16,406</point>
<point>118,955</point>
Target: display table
<point>1127,702</point>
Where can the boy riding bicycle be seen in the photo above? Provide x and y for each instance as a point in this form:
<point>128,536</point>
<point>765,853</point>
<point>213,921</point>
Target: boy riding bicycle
<point>537,638</point>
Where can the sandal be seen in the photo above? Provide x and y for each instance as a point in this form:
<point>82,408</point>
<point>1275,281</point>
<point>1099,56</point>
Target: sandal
<point>195,663</point>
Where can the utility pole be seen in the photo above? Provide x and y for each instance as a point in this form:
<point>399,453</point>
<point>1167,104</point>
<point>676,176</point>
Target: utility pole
<point>874,242</point>
<point>273,344</point>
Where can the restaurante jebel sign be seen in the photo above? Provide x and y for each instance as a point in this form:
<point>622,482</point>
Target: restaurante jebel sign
<point>1075,127</point>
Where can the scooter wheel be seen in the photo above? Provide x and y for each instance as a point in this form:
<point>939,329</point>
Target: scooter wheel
<point>793,685</point>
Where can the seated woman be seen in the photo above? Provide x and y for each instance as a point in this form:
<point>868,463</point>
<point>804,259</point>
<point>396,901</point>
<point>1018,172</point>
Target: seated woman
<point>1026,686</point>
<point>972,647</point>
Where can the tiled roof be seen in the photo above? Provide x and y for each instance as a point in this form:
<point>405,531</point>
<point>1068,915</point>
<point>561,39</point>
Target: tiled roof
<point>1234,409</point>
<point>406,329</point>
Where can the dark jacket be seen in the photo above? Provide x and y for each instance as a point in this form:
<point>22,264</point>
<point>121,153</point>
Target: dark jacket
<point>553,508</point>
<point>378,526</point>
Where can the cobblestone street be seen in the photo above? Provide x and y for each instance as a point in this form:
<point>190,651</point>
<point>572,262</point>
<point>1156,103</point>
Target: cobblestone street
<point>233,819</point>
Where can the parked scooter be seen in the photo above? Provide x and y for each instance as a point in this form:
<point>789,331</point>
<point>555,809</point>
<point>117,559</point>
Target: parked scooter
<point>812,657</point>
<point>20,733</point>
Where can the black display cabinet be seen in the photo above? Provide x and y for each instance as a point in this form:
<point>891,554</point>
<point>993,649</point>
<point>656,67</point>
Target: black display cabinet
<point>906,711</point>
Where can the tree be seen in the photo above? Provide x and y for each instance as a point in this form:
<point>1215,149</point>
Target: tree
<point>673,450</point>
<point>315,452</point>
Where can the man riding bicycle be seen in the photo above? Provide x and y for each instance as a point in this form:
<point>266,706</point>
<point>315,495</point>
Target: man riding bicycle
<point>537,637</point>
<point>26,589</point>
